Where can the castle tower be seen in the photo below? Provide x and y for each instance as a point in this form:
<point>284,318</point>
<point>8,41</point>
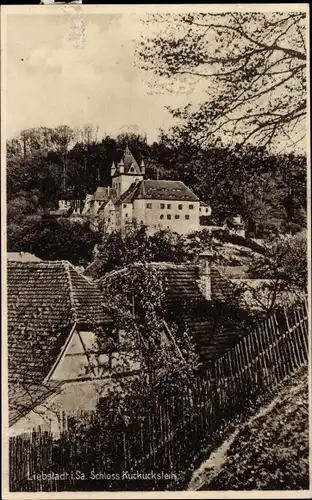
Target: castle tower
<point>126,172</point>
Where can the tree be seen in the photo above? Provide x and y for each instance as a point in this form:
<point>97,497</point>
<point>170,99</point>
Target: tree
<point>117,250</point>
<point>135,298</point>
<point>283,267</point>
<point>251,67</point>
<point>62,138</point>
<point>53,239</point>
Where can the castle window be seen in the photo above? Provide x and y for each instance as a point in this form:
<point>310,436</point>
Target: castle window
<point>180,207</point>
<point>162,206</point>
<point>169,206</point>
<point>168,216</point>
<point>148,205</point>
<point>126,215</point>
<point>191,207</point>
<point>177,216</point>
<point>162,216</point>
<point>206,210</point>
<point>187,217</point>
<point>125,206</point>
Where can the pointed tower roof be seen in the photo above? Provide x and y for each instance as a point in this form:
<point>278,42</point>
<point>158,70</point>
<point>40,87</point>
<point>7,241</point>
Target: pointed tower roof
<point>130,162</point>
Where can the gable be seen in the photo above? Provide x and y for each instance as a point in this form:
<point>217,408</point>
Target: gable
<point>45,301</point>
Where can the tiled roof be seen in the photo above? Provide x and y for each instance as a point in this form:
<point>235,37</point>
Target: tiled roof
<point>158,190</point>
<point>22,257</point>
<point>104,193</point>
<point>45,299</point>
<point>186,305</point>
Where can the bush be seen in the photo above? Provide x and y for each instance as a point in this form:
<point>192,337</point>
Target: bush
<point>226,237</point>
<point>117,251</point>
<point>54,239</point>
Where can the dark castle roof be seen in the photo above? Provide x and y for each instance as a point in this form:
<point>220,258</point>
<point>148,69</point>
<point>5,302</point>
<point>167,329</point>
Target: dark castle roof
<point>129,161</point>
<point>158,190</point>
<point>129,164</point>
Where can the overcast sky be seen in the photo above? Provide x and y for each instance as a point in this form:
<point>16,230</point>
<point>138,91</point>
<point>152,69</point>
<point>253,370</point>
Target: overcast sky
<point>58,75</point>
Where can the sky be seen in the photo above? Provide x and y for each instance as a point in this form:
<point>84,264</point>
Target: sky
<point>73,70</point>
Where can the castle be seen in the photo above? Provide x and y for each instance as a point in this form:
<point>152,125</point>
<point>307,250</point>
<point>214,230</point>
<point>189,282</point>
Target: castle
<point>133,200</point>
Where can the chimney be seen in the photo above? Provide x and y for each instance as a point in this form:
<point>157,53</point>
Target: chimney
<point>204,273</point>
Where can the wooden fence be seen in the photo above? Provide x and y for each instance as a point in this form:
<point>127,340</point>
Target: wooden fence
<point>174,428</point>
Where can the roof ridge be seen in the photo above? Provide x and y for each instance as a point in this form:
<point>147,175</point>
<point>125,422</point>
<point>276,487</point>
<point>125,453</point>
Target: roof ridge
<point>71,291</point>
<point>80,274</point>
<point>130,191</point>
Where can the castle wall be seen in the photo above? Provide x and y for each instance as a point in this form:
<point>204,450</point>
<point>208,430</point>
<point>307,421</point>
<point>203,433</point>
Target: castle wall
<point>179,216</point>
<point>122,182</point>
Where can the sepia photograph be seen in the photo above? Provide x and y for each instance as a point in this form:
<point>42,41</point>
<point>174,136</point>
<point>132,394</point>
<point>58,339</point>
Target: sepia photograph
<point>155,227</point>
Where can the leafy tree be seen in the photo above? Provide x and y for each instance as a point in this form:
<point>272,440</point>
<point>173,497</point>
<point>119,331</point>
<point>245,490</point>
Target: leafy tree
<point>134,297</point>
<point>268,191</point>
<point>58,239</point>
<point>261,187</point>
<point>117,250</point>
<point>284,267</point>
<point>252,67</point>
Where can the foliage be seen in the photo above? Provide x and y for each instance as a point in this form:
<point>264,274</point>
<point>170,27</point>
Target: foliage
<point>47,159</point>
<point>117,250</point>
<point>58,239</point>
<point>262,187</point>
<point>284,260</point>
<point>271,452</point>
<point>134,297</point>
<point>250,68</point>
<point>283,266</point>
<point>268,191</point>
<point>226,237</point>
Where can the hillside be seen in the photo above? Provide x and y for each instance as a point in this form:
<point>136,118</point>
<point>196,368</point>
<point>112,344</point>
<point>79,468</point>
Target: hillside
<point>269,452</point>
